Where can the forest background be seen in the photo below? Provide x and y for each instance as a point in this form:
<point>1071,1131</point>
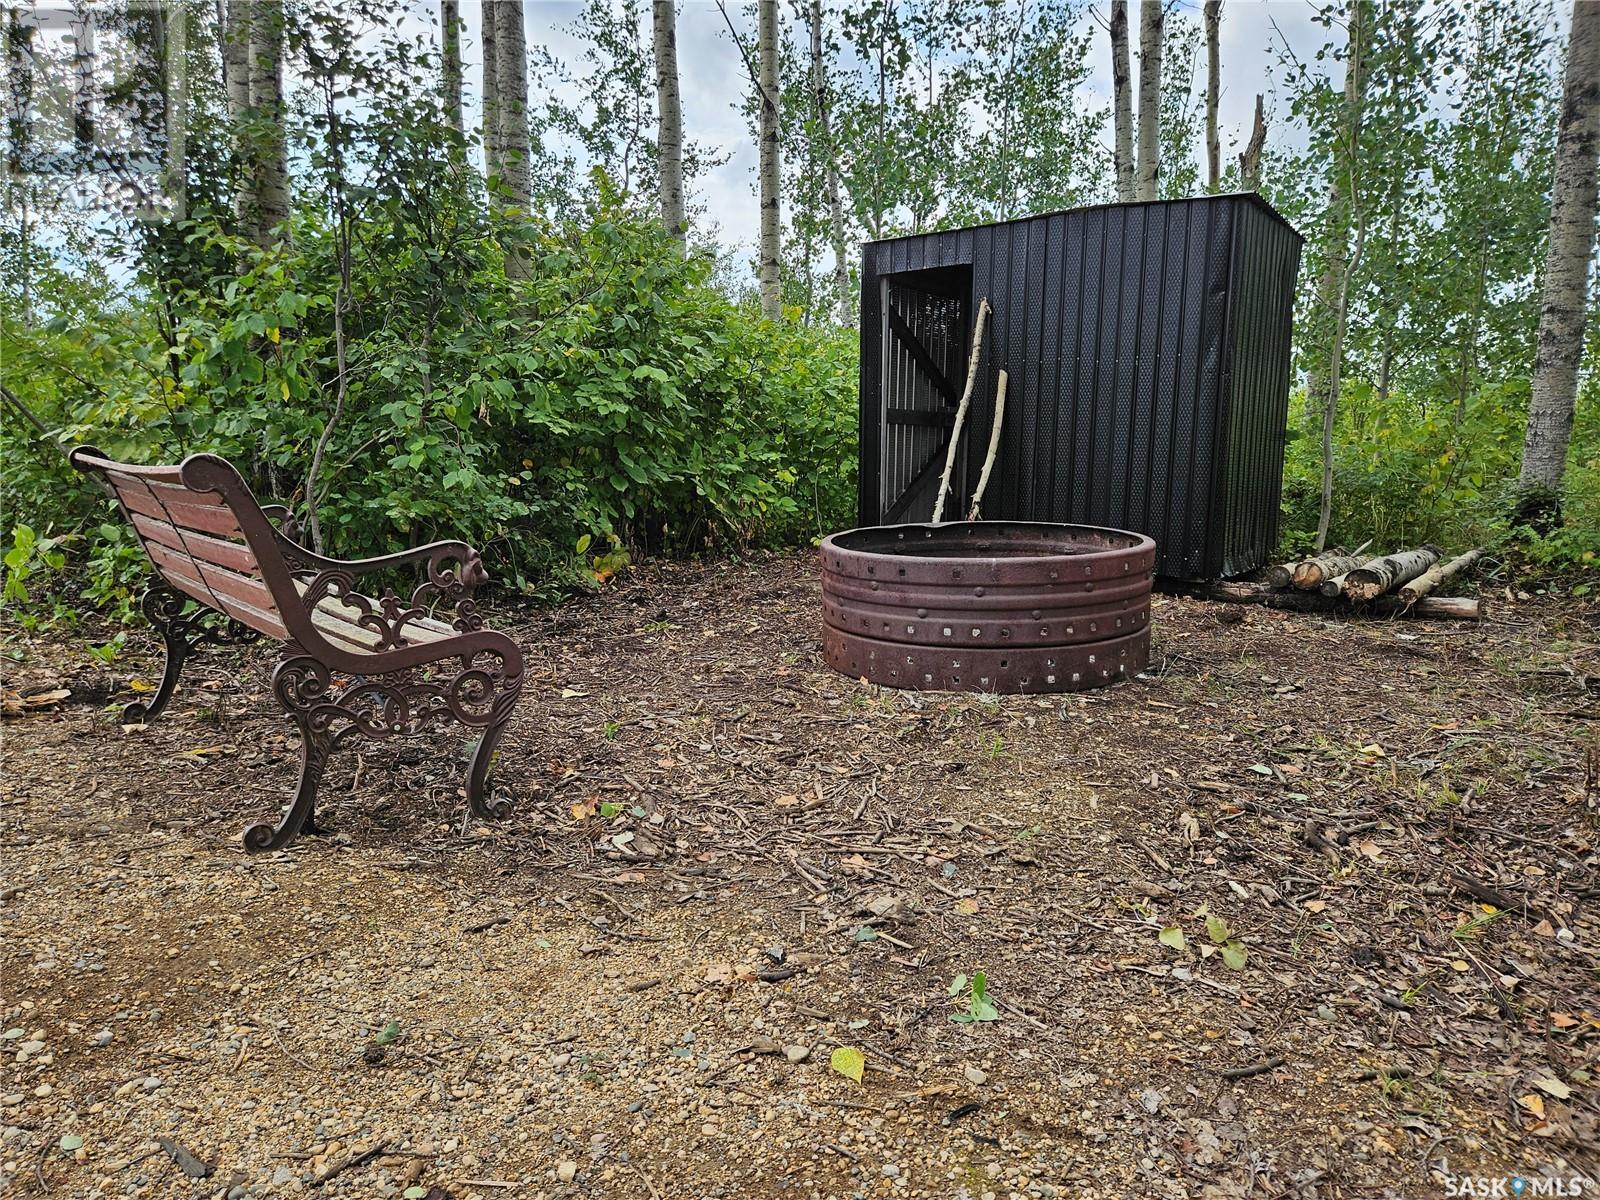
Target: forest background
<point>420,276</point>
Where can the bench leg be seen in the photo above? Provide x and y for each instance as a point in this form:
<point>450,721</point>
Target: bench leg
<point>480,796</point>
<point>163,607</point>
<point>315,746</point>
<point>181,633</point>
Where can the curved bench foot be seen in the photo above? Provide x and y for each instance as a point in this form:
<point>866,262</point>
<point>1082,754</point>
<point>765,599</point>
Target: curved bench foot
<point>181,633</point>
<point>300,815</point>
<point>480,793</point>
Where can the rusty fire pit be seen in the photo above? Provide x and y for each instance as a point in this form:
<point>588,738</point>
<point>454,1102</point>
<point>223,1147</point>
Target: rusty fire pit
<point>991,606</point>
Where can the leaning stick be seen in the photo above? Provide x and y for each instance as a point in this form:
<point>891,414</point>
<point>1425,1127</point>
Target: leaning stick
<point>961,409</point>
<point>994,446</point>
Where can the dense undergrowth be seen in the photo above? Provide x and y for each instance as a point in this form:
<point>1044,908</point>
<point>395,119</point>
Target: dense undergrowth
<point>613,402</point>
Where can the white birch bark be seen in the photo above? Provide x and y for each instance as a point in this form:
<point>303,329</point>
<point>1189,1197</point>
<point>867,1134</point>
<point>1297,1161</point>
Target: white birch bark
<point>1563,309</point>
<point>1212,15</point>
<point>492,155</point>
<point>1122,100</point>
<point>669,117</point>
<point>450,61</point>
<point>511,75</point>
<point>841,266</point>
<point>1152,33</point>
<point>268,143</point>
<point>769,169</point>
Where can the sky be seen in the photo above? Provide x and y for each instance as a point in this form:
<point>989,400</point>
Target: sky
<point>713,80</point>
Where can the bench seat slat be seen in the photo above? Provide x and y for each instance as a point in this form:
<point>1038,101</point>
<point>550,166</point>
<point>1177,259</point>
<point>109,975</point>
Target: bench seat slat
<point>200,517</point>
<point>164,491</point>
<point>245,599</point>
<point>233,555</point>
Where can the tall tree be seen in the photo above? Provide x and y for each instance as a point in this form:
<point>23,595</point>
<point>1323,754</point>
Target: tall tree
<point>1250,156</point>
<point>493,164</point>
<point>269,150</point>
<point>511,76</point>
<point>1122,100</point>
<point>1333,293</point>
<point>830,167</point>
<point>669,117</point>
<point>1566,274</point>
<point>450,43</point>
<point>1152,33</point>
<point>770,168</point>
<point>1213,20</point>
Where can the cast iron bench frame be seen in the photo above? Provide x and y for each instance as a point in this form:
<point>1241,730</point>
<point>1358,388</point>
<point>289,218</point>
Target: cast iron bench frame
<point>350,664</point>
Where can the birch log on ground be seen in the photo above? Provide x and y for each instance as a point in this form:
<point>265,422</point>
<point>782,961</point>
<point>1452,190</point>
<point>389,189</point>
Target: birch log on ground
<point>1280,575</point>
<point>1385,574</point>
<point>1453,608</point>
<point>961,409</point>
<point>1309,574</point>
<point>1437,574</point>
<point>1334,584</point>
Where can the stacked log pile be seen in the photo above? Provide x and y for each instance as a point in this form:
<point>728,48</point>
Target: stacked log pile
<point>1399,584</point>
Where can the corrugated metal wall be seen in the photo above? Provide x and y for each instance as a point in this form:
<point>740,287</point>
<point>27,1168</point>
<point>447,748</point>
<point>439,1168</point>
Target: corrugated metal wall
<point>1148,352</point>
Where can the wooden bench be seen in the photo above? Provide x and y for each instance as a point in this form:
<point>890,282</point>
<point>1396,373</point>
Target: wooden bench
<point>350,664</point>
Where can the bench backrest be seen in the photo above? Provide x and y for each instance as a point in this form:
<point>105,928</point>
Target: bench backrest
<point>204,533</point>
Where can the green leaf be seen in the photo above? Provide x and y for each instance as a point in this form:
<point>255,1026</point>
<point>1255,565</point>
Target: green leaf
<point>608,809</point>
<point>849,1062</point>
<point>865,933</point>
<point>1172,936</point>
<point>71,1142</point>
<point>415,1192</point>
<point>1217,929</point>
<point>958,985</point>
<point>388,1033</point>
<point>1235,955</point>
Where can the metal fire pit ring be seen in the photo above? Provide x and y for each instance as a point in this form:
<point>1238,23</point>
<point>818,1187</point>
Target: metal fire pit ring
<point>996,606</point>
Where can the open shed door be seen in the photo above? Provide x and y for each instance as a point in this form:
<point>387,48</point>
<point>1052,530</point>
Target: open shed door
<point>925,317</point>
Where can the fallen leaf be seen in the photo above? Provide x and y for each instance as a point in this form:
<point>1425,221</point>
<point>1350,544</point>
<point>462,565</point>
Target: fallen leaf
<point>1534,1103</point>
<point>849,1062</point>
<point>1172,936</point>
<point>967,906</point>
<point>1315,906</point>
<point>1553,1087</point>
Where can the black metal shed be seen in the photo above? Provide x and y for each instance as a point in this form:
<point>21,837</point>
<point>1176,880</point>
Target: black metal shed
<point>1147,348</point>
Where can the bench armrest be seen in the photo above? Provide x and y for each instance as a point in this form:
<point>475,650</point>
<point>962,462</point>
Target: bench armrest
<point>453,570</point>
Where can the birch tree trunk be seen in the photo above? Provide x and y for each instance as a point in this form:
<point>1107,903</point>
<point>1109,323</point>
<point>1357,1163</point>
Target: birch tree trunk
<point>235,33</point>
<point>450,60</point>
<point>1250,157</point>
<point>511,75</point>
<point>819,85</point>
<point>771,226</point>
<point>269,149</point>
<point>1122,99</point>
<point>1152,33</point>
<point>1566,275</point>
<point>492,155</point>
<point>1212,15</point>
<point>669,116</point>
<point>1334,290</point>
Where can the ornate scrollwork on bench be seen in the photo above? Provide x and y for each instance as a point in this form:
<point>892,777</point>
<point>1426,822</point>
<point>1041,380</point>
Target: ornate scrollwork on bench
<point>352,665</point>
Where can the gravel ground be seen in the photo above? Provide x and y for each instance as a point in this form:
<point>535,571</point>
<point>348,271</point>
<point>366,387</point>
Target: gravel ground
<point>726,861</point>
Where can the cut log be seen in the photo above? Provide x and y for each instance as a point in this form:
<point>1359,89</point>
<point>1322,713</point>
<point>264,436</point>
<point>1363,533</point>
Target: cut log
<point>1450,608</point>
<point>1308,575</point>
<point>1334,586</point>
<point>1437,574</point>
<point>1279,575</point>
<point>1383,574</point>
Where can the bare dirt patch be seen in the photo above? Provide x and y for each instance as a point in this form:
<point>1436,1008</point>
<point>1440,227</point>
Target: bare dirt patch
<point>727,861</point>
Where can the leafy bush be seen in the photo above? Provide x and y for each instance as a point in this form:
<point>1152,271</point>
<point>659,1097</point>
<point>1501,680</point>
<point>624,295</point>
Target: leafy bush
<point>613,396</point>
